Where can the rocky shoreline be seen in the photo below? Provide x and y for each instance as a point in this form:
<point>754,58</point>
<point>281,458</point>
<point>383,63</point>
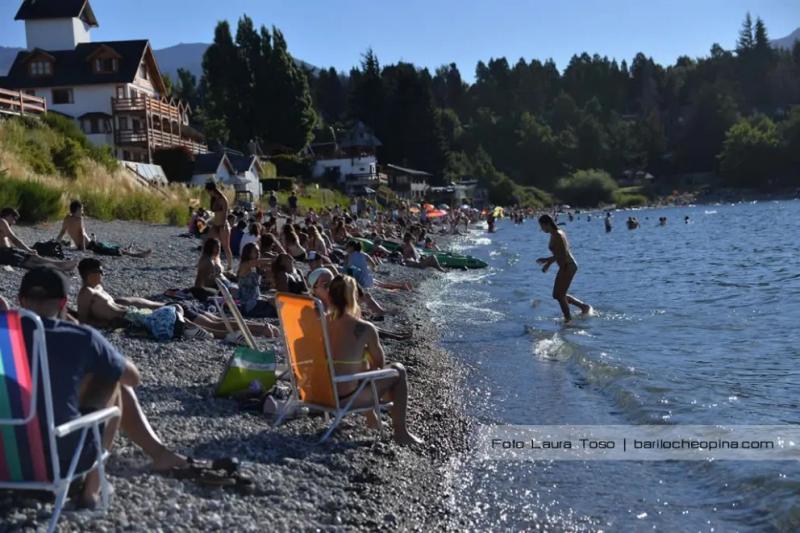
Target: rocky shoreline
<point>357,480</point>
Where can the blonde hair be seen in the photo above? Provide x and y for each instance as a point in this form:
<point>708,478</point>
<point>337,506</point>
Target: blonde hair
<point>343,292</point>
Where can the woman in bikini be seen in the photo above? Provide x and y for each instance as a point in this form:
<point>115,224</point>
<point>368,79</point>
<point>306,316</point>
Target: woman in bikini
<point>286,277</point>
<point>219,227</point>
<point>358,348</point>
<point>567,267</point>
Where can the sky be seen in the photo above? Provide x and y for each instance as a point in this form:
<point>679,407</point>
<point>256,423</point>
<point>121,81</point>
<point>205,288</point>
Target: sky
<point>431,33</point>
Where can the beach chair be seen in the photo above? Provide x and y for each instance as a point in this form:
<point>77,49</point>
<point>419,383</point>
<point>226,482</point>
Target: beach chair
<point>312,372</point>
<point>29,457</point>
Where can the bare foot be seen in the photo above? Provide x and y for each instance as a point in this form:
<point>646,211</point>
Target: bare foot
<point>587,309</point>
<point>167,459</point>
<point>407,439</point>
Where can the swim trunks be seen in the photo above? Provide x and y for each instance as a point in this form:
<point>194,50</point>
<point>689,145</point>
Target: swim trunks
<point>12,257</point>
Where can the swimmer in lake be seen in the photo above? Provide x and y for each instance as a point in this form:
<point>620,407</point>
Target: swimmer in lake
<point>567,267</point>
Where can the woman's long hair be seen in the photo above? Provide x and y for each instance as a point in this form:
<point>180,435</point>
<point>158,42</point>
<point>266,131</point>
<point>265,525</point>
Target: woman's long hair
<point>277,264</point>
<point>210,246</point>
<point>247,251</point>
<point>547,221</point>
<point>342,293</point>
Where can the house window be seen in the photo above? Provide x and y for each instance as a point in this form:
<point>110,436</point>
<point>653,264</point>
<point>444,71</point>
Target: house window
<point>126,155</point>
<point>143,71</point>
<point>120,91</point>
<point>41,68</point>
<point>105,65</point>
<point>123,123</point>
<point>63,96</point>
<point>94,127</point>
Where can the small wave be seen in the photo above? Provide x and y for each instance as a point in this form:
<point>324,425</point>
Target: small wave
<point>553,348</point>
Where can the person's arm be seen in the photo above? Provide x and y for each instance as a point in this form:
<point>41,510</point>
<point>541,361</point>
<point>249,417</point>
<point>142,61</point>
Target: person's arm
<point>202,275</point>
<point>63,230</point>
<point>374,347</point>
<point>6,230</point>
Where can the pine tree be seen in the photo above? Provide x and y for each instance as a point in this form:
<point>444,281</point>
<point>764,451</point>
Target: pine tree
<point>219,61</point>
<point>761,40</point>
<point>745,42</point>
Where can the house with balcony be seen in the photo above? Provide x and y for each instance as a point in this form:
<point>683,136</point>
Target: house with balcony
<point>112,89</point>
<point>349,158</point>
<point>408,183</point>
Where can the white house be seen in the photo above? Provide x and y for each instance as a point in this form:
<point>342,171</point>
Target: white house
<point>351,159</point>
<point>113,89</point>
<point>241,172</point>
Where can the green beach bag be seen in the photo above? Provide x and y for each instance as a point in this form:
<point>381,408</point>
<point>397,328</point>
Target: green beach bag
<point>244,367</point>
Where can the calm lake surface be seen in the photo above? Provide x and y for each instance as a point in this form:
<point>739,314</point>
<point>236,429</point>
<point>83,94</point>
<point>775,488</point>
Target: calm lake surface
<point>696,324</point>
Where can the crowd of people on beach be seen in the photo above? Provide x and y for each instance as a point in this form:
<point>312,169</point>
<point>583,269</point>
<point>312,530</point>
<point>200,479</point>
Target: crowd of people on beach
<point>333,255</point>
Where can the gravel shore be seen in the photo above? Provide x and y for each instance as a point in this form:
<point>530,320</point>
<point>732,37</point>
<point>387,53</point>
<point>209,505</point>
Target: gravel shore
<point>355,481</point>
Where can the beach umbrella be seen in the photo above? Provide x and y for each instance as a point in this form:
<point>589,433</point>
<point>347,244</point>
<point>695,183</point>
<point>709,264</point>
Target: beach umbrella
<point>444,206</point>
<point>428,207</point>
<point>413,209</point>
<point>465,206</point>
<point>436,213</point>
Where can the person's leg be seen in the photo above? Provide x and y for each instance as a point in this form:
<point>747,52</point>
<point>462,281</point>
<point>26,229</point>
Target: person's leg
<point>373,305</point>
<point>399,395</point>
<point>141,303</point>
<point>215,324</point>
<point>96,394</point>
<point>225,239</point>
<point>560,287</point>
<point>4,305</point>
<point>584,307</point>
<point>138,429</point>
<point>34,261</point>
<point>140,254</point>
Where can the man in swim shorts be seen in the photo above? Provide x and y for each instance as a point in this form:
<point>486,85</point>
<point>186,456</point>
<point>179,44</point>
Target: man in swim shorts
<point>74,227</point>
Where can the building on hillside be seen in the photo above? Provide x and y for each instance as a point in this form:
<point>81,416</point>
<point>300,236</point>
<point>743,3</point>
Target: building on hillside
<point>349,160</point>
<point>242,172</point>
<point>113,89</point>
<point>408,183</point>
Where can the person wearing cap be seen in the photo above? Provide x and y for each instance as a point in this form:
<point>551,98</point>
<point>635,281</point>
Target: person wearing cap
<point>86,374</point>
<point>15,253</point>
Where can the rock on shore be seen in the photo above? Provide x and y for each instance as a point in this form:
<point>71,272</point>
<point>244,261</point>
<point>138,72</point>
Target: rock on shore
<point>356,480</point>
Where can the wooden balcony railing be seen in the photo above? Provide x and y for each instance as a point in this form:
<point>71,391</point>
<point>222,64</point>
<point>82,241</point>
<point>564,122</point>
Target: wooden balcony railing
<point>157,139</point>
<point>19,103</point>
<point>146,104</point>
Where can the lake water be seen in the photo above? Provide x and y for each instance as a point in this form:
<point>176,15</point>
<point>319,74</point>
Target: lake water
<point>696,324</point>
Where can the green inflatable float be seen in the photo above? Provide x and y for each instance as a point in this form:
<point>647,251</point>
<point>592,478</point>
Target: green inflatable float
<point>446,259</point>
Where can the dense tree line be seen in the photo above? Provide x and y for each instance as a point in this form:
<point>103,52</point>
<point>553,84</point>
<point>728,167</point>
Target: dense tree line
<point>521,125</point>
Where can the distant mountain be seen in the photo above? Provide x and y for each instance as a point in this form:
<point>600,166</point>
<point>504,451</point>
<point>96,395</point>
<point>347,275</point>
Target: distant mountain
<point>187,56</point>
<point>787,43</point>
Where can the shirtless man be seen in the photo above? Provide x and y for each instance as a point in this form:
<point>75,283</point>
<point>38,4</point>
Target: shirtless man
<point>413,258</point>
<point>24,256</point>
<point>219,227</point>
<point>73,226</point>
<point>98,308</point>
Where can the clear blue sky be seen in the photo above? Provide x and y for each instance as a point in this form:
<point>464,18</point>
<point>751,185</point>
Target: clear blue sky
<point>434,32</point>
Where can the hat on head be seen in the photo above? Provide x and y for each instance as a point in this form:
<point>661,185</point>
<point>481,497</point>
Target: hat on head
<point>316,274</point>
<point>44,284</point>
<point>312,255</point>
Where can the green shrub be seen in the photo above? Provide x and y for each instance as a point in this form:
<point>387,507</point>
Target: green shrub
<point>630,200</point>
<point>587,188</point>
<point>35,201</point>
<point>98,205</point>
<point>139,206</point>
<point>68,158</point>
<point>177,215</point>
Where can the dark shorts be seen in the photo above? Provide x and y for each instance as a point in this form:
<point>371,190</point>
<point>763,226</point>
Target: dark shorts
<point>101,248</point>
<point>262,309</point>
<point>88,455</point>
<point>12,257</point>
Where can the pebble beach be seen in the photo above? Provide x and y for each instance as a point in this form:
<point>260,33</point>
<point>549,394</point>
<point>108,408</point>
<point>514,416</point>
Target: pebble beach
<point>358,480</point>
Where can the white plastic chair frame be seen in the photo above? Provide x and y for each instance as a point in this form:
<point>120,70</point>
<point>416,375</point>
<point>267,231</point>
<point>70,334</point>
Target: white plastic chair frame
<point>59,485</point>
<point>367,378</point>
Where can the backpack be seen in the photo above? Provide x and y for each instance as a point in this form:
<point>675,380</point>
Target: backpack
<point>49,249</point>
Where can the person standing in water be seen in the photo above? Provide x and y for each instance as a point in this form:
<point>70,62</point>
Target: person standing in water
<point>608,222</point>
<point>220,229</point>
<point>567,267</point>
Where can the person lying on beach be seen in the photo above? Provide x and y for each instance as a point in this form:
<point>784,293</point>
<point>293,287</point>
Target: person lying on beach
<point>413,258</point>
<point>98,308</point>
<point>86,374</point>
<point>74,227</point>
<point>15,253</point>
<point>286,277</point>
<point>358,348</point>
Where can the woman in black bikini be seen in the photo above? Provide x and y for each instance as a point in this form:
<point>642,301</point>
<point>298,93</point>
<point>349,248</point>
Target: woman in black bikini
<point>567,267</point>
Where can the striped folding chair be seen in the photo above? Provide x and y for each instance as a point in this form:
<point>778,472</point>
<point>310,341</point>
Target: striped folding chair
<point>29,455</point>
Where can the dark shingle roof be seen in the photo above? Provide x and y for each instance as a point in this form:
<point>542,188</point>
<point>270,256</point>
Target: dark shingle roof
<point>72,67</point>
<point>55,9</point>
<point>207,163</point>
<point>241,162</point>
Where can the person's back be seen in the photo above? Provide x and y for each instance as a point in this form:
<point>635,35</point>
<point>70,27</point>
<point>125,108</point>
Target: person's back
<point>360,261</point>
